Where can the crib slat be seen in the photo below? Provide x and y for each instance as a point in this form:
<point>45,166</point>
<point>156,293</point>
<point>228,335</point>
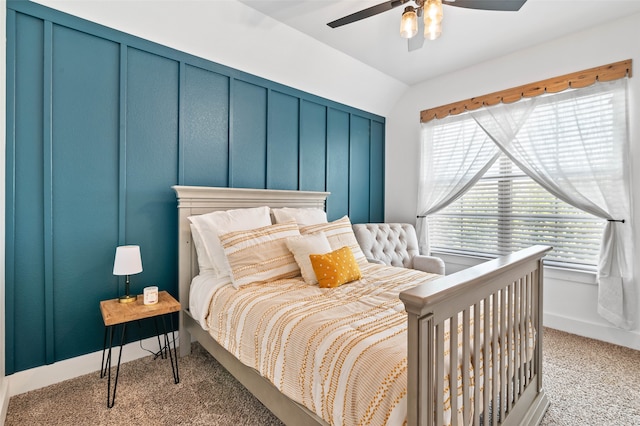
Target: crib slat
<point>523,335</point>
<point>534,323</point>
<point>453,368</point>
<point>439,374</point>
<point>530,323</point>
<point>517,390</point>
<point>486,355</point>
<point>495,359</point>
<point>537,303</point>
<point>504,352</point>
<point>510,354</point>
<point>537,322</point>
<point>466,365</point>
<point>527,301</point>
<point>477,409</point>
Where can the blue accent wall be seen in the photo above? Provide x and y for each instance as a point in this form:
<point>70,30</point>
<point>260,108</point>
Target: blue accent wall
<point>101,124</point>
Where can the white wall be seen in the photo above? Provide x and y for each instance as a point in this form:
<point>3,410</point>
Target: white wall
<point>570,299</point>
<point>233,34</point>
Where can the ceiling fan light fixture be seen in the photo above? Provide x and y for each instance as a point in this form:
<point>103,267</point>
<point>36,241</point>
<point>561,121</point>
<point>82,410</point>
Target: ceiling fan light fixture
<point>429,10</point>
<point>433,11</point>
<point>432,29</point>
<point>409,23</point>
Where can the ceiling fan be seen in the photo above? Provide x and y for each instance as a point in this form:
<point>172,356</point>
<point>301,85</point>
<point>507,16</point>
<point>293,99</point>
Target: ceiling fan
<point>430,11</point>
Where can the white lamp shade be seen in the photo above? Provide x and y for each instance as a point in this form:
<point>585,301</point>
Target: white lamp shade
<point>127,260</point>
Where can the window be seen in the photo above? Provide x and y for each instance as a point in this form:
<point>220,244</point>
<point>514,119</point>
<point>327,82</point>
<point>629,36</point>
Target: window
<point>506,210</point>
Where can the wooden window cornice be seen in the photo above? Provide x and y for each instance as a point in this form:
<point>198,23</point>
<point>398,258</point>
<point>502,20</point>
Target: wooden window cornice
<point>574,80</point>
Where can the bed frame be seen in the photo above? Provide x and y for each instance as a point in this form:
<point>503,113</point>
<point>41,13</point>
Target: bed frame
<point>513,283</point>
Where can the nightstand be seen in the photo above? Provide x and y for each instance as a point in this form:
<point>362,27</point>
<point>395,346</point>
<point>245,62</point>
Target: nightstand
<point>116,314</point>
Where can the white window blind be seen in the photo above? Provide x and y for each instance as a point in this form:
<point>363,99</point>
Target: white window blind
<point>506,210</point>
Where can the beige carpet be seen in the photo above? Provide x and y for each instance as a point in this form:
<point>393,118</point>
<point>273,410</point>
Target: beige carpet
<point>588,383</point>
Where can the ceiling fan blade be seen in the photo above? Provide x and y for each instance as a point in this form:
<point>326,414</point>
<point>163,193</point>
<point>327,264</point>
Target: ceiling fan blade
<point>416,42</point>
<point>366,13</point>
<point>501,5</point>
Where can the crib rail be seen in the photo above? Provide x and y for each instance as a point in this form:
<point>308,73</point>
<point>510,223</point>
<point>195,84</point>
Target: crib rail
<point>483,325</point>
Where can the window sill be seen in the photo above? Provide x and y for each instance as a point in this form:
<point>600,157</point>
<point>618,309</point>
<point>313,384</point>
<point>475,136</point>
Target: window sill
<point>573,275</point>
<point>459,262</point>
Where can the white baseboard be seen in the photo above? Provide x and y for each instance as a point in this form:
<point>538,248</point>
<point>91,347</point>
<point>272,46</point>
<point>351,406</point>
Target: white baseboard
<point>4,399</point>
<point>609,334</point>
<point>39,377</point>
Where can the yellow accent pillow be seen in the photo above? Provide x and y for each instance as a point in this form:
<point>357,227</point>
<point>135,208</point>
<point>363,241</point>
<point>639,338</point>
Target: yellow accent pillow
<point>335,268</point>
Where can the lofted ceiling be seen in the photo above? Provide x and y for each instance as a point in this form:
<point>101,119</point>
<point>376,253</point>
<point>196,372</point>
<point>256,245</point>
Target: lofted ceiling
<point>468,36</point>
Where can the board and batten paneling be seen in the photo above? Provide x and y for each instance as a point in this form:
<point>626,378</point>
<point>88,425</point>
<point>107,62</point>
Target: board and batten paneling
<point>359,168</point>
<point>82,212</point>
<point>337,162</point>
<point>101,124</point>
<point>313,136</point>
<point>283,136</point>
<point>205,124</point>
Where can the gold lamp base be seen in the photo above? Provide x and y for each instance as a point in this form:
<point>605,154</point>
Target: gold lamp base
<point>127,298</point>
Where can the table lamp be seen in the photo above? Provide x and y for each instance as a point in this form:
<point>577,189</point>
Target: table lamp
<point>127,262</point>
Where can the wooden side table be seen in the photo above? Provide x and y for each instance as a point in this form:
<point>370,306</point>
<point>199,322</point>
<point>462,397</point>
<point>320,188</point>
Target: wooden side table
<point>116,314</point>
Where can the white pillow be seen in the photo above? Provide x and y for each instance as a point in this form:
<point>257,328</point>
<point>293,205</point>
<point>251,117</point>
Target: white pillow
<point>204,263</point>
<point>260,255</point>
<point>340,234</point>
<point>305,245</point>
<point>213,224</point>
<point>302,216</point>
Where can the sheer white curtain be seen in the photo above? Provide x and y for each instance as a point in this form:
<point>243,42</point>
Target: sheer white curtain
<point>449,169</point>
<point>464,153</point>
<point>562,146</point>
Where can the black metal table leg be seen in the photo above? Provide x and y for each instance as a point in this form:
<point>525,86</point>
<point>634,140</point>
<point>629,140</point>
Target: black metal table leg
<point>175,351</point>
<point>104,349</point>
<point>111,397</point>
<point>174,356</point>
<point>162,349</point>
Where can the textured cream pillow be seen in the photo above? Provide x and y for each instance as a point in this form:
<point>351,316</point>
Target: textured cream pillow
<point>340,234</point>
<point>302,216</point>
<point>260,255</point>
<point>213,224</point>
<point>302,247</point>
<point>335,268</point>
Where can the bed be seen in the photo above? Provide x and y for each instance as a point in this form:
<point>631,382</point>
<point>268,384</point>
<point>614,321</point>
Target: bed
<point>497,304</point>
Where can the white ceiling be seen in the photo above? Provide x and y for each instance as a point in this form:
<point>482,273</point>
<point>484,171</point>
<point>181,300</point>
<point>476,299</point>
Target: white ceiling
<point>468,36</point>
